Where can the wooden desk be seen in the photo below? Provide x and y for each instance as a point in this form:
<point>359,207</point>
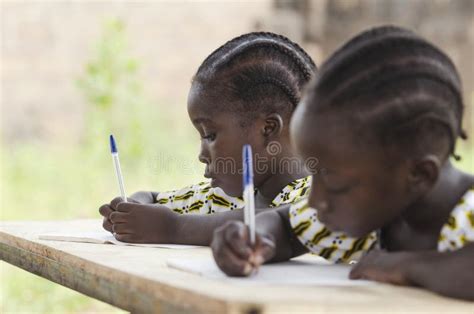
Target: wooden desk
<point>137,279</point>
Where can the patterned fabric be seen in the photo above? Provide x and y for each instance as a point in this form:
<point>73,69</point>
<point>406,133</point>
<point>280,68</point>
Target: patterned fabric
<point>333,246</point>
<point>459,229</point>
<point>338,247</point>
<point>201,198</point>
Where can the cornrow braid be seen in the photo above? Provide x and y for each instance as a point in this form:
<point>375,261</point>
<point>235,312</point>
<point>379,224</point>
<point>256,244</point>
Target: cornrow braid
<point>396,82</point>
<point>252,40</point>
<point>275,81</point>
<point>259,70</point>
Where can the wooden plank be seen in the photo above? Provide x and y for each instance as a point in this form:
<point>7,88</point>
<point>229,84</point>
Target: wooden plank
<point>138,280</point>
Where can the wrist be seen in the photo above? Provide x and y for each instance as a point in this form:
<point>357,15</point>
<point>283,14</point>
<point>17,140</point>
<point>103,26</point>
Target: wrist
<point>173,229</point>
<point>417,264</point>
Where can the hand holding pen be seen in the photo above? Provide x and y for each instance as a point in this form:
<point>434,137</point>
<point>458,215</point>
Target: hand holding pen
<point>238,249</point>
<point>106,209</point>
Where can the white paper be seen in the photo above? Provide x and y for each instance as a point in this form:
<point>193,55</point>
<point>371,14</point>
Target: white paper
<point>294,272</point>
<point>104,237</point>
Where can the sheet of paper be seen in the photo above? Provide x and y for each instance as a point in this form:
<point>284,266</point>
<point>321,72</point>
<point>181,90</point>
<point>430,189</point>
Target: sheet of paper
<point>294,272</point>
<point>104,237</point>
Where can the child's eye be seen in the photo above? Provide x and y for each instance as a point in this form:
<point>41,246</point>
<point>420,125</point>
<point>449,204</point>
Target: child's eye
<point>209,137</point>
<point>338,190</point>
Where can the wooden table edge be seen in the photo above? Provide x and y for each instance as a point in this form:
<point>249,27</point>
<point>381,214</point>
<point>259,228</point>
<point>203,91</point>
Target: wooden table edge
<point>148,298</point>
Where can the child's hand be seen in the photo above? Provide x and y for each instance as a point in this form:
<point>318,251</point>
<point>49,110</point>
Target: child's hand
<point>140,223</point>
<point>106,209</point>
<point>233,252</point>
<point>384,267</point>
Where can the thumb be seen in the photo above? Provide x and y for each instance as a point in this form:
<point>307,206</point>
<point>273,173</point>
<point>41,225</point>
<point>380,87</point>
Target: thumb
<point>264,250</point>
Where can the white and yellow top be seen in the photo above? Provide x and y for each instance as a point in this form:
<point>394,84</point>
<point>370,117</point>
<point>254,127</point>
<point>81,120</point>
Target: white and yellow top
<point>338,247</point>
<point>459,230</point>
<point>201,198</point>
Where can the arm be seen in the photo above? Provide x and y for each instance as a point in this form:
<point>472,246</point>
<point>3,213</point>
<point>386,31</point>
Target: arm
<point>276,224</point>
<point>448,273</point>
<point>142,223</point>
<point>199,229</point>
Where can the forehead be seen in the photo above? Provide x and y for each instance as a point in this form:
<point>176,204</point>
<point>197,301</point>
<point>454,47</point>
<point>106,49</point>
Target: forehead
<point>336,140</point>
<point>210,108</point>
<point>208,98</point>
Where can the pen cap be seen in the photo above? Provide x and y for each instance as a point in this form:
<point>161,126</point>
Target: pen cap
<point>247,165</point>
<point>113,146</point>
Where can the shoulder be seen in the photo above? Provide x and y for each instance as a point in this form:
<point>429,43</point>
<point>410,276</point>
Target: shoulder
<point>458,230</point>
<point>293,192</point>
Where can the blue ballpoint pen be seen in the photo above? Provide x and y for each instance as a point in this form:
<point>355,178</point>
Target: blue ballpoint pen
<point>249,193</point>
<point>118,171</point>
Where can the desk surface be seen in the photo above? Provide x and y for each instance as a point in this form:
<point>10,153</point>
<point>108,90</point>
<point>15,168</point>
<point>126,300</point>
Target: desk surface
<point>137,279</point>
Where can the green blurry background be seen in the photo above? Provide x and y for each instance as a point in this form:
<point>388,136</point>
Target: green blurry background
<point>72,73</point>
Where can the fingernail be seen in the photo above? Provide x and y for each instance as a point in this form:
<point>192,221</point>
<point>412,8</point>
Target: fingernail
<point>247,269</point>
<point>258,260</point>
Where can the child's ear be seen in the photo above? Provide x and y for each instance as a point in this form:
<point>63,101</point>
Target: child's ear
<point>423,174</point>
<point>273,125</point>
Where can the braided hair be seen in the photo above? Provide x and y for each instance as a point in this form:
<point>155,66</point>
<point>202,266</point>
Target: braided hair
<point>257,72</point>
<point>395,84</point>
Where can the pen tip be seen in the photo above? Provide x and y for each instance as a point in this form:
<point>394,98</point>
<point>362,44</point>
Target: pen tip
<point>113,146</point>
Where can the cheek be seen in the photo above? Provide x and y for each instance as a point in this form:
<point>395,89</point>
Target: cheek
<point>365,211</point>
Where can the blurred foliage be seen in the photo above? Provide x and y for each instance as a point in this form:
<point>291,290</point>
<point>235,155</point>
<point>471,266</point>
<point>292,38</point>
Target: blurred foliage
<point>112,86</point>
<point>158,149</point>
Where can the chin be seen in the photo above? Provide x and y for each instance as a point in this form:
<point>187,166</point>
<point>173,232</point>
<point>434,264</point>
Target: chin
<point>227,188</point>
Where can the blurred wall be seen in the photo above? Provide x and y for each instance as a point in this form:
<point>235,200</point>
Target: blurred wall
<point>45,45</point>
<point>326,24</point>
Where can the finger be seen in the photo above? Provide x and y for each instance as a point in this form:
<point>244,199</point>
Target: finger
<point>357,271</point>
<point>236,238</point>
<point>227,261</point>
<point>124,237</point>
<point>264,251</point>
<point>126,207</point>
<point>119,217</point>
<point>121,229</point>
<point>105,210</point>
<point>114,203</point>
<point>107,225</point>
<point>231,264</point>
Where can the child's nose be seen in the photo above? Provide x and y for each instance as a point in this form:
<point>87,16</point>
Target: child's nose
<point>204,155</point>
<point>204,159</point>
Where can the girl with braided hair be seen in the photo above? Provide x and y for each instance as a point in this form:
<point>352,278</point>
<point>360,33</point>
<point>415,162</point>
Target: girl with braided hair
<point>382,115</point>
<point>243,93</point>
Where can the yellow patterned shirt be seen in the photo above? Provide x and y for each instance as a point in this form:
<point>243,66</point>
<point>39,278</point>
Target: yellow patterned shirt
<point>459,230</point>
<point>201,198</point>
<point>338,247</point>
<point>333,246</point>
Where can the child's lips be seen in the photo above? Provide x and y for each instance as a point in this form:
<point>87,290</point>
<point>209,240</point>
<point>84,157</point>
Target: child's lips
<point>214,181</point>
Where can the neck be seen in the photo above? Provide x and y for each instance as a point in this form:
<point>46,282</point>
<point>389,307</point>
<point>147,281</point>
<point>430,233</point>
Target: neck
<point>431,211</point>
<point>288,169</point>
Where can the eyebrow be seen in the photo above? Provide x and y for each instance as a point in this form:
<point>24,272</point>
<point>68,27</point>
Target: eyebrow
<point>200,120</point>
